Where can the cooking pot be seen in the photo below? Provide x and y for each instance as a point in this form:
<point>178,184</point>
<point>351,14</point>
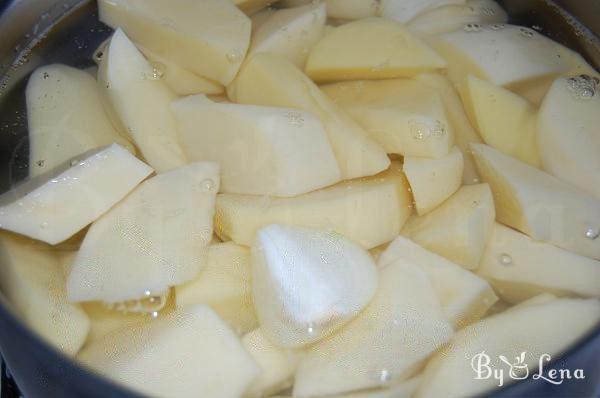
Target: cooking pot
<point>37,32</point>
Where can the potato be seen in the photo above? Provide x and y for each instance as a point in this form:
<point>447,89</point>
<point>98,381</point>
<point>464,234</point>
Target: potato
<point>32,281</point>
<point>540,205</point>
<point>459,228</point>
<point>405,10</point>
<point>261,150</point>
<point>520,268</point>
<point>373,48</point>
<point>432,181</point>
<point>54,208</point>
<point>209,37</point>
<point>261,17</point>
<point>464,296</point>
<point>369,211</point>
<point>406,117</point>
<point>351,9</point>
<point>152,240</point>
<point>104,320</point>
<point>506,121</point>
<point>537,329</point>
<point>291,33</point>
<point>402,389</point>
<point>269,79</point>
<point>179,355</point>
<point>288,262</point>
<point>66,117</point>
<point>389,340</point>
<point>567,128</point>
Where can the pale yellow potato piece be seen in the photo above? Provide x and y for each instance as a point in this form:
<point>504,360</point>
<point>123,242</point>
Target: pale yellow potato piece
<point>372,48</point>
<point>209,37</point>
<point>260,17</point>
<point>188,351</point>
<point>540,205</point>
<point>464,296</point>
<point>269,79</point>
<point>104,320</point>
<point>548,328</point>
<point>406,117</point>
<point>459,228</point>
<point>432,181</point>
<point>368,211</point>
<point>65,117</point>
<point>520,268</point>
<point>402,326</point>
<point>352,9</point>
<point>405,10</point>
<point>504,120</point>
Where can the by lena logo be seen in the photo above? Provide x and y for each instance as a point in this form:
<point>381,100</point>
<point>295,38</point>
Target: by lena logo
<point>518,369</point>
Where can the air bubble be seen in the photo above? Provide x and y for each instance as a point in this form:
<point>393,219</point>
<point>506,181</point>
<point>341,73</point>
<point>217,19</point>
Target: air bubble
<point>472,27</point>
<point>295,119</point>
<point>154,314</point>
<point>45,75</point>
<point>505,259</point>
<point>592,233</point>
<point>384,375</point>
<point>40,163</point>
<point>311,330</point>
<point>583,87</point>
<point>439,130</point>
<point>488,11</point>
<point>497,26</point>
<point>234,56</point>
<point>207,185</point>
<point>158,71</point>
<point>526,32</point>
<point>419,131</point>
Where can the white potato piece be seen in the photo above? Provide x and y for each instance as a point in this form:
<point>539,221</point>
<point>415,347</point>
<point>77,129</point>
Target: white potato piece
<point>367,211</point>
<point>567,132</point>
<point>352,9</point>
<point>372,48</point>
<point>152,240</point>
<point>405,10</point>
<point>520,268</point>
<point>406,117</point>
<point>459,228</point>
<point>432,181</point>
<point>291,33</point>
<point>389,340</point>
<point>540,205</point>
<point>269,79</point>
<point>288,262</point>
<point>179,355</point>
<point>261,150</point>
<point>502,54</point>
<point>32,280</point>
<point>209,37</point>
<point>505,120</point>
<point>547,328</point>
<point>464,296</point>
<point>54,208</point>
<point>104,320</point>
<point>66,117</point>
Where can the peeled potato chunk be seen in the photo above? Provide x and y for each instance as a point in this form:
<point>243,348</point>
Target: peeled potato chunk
<point>52,210</point>
<point>32,280</point>
<point>66,117</point>
<point>567,128</point>
<point>351,9</point>
<point>223,284</point>
<point>180,355</point>
<point>152,240</point>
<point>459,228</point>
<point>402,326</point>
<point>367,211</point>
<point>406,117</point>
<point>405,10</point>
<point>291,33</point>
<point>269,79</point>
<point>307,283</point>
<point>540,205</point>
<point>464,296</point>
<point>261,150</point>
<point>105,320</point>
<point>432,181</point>
<point>505,120</point>
<point>547,328</point>
<point>372,48</point>
<point>208,37</point>
<point>520,268</point>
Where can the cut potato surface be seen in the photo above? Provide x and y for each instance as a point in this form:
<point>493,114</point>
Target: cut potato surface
<point>368,211</point>
<point>520,268</point>
<point>405,117</point>
<point>352,9</point>
<point>104,320</point>
<point>540,205</point>
<point>189,351</point>
<point>54,209</point>
<point>152,240</point>
<point>269,79</point>
<point>432,181</point>
<point>32,280</point>
<point>261,150</point>
<point>405,10</point>
<point>372,48</point>
<point>389,340</point>
<point>66,117</point>
<point>209,38</point>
